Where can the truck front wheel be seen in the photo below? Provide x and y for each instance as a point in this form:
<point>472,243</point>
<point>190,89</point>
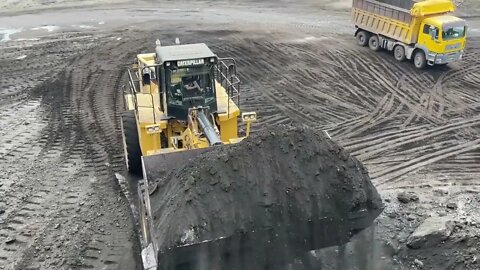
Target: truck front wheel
<point>374,43</point>
<point>399,53</point>
<point>420,60</point>
<point>362,38</point>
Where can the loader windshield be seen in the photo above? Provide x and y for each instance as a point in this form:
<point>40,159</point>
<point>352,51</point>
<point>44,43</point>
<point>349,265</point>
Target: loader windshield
<point>190,86</point>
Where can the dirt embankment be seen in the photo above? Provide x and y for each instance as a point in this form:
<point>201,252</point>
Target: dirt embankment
<point>288,187</point>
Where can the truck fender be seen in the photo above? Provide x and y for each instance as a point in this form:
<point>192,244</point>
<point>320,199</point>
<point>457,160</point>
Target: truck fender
<point>409,52</point>
<point>356,32</point>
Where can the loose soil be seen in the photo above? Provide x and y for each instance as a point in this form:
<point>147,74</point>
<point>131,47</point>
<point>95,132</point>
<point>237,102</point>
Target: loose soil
<point>290,187</point>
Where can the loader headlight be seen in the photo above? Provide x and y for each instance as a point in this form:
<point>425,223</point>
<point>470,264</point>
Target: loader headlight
<point>249,117</point>
<point>154,129</point>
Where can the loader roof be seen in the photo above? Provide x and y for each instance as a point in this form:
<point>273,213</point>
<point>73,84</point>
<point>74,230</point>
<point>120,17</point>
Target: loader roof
<point>183,52</point>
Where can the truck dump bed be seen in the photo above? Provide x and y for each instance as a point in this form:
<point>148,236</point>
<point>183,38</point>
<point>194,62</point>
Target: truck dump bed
<point>390,18</point>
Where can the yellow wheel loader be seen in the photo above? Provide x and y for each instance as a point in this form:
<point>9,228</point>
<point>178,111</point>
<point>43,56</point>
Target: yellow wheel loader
<point>179,100</point>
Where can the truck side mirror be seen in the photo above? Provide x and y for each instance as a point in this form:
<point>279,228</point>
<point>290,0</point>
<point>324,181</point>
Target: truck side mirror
<point>433,33</point>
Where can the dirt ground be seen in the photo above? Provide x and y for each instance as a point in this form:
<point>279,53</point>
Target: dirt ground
<point>62,66</point>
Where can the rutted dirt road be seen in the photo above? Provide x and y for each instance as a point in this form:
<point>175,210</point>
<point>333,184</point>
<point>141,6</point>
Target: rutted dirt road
<point>61,206</point>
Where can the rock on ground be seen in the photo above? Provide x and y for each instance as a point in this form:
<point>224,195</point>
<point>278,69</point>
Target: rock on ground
<point>431,232</point>
<point>406,197</point>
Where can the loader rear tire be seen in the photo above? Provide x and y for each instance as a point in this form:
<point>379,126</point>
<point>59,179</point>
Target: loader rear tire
<point>131,145</point>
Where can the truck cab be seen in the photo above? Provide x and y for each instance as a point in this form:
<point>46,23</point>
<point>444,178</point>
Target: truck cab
<point>443,38</point>
<point>420,30</point>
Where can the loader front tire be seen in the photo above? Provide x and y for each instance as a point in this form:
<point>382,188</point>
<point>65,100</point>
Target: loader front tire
<point>131,145</point>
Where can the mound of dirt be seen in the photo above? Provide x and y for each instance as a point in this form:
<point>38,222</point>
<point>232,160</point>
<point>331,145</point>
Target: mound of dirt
<point>273,196</point>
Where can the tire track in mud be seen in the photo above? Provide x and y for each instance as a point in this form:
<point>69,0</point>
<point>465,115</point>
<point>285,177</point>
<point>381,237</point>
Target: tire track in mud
<point>29,66</point>
<point>35,190</point>
<point>376,107</point>
<point>63,207</point>
<point>95,87</point>
<point>400,122</point>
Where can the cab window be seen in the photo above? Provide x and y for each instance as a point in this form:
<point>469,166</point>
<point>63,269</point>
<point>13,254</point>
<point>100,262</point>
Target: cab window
<point>190,85</point>
<point>430,30</point>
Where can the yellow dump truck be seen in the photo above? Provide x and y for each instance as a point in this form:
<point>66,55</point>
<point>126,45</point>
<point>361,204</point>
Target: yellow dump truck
<point>424,31</point>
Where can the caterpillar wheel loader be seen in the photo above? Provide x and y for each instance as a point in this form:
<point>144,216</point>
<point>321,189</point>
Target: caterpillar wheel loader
<point>180,100</point>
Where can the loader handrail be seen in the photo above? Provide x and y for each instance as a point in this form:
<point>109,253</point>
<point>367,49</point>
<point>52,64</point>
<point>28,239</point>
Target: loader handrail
<point>133,92</point>
<point>226,75</point>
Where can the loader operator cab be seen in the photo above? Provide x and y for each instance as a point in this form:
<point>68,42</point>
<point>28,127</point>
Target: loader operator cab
<point>188,80</point>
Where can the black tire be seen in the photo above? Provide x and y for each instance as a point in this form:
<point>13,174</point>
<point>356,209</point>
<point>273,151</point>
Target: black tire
<point>399,53</point>
<point>362,38</point>
<point>419,59</point>
<point>374,43</point>
<point>131,145</point>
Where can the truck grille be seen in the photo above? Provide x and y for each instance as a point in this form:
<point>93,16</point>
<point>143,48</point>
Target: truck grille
<point>455,46</point>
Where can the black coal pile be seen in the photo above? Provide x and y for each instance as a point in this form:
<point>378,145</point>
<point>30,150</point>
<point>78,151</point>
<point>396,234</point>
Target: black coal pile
<point>261,203</point>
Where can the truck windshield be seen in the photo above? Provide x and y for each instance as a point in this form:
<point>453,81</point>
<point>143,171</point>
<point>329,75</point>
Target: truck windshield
<point>192,85</point>
<point>453,32</point>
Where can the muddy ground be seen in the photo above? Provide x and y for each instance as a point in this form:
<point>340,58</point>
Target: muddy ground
<point>62,68</point>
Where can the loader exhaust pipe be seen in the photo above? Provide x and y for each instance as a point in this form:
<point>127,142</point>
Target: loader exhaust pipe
<point>208,129</point>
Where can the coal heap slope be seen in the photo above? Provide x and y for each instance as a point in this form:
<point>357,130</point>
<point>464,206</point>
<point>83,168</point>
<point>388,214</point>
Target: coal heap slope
<point>288,187</point>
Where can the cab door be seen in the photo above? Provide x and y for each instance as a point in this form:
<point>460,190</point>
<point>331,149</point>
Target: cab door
<point>430,38</point>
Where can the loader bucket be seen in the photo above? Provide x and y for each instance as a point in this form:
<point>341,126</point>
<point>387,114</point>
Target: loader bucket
<point>258,204</point>
<point>242,250</point>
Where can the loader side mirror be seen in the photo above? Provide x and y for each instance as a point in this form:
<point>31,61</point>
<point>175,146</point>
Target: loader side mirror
<point>248,118</point>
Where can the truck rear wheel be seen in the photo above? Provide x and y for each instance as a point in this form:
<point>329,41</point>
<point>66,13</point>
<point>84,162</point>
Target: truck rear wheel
<point>131,145</point>
<point>399,53</point>
<point>374,43</point>
<point>362,38</point>
<point>419,59</point>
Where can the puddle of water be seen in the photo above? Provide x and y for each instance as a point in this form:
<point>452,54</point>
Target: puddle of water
<point>48,28</point>
<point>308,39</point>
<point>83,26</point>
<point>6,33</point>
